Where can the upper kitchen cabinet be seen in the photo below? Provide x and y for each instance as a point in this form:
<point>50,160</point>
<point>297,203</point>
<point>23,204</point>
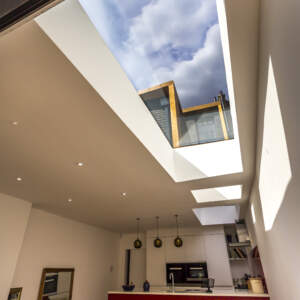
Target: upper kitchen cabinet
<point>156,263</point>
<point>192,249</point>
<point>217,259</point>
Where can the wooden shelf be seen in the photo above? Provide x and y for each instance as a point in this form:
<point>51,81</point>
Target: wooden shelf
<point>243,244</point>
<point>238,259</point>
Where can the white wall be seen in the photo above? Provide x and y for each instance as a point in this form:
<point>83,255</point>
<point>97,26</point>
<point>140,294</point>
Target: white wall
<point>276,189</point>
<point>53,241</point>
<point>199,244</point>
<point>14,215</point>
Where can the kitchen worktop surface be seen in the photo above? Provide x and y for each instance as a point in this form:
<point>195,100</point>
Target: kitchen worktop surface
<point>216,292</point>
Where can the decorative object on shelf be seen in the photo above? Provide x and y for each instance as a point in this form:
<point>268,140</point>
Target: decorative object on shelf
<point>241,231</point>
<point>15,293</point>
<point>157,242</point>
<point>178,240</point>
<point>128,287</point>
<point>146,286</point>
<point>229,238</point>
<point>137,243</point>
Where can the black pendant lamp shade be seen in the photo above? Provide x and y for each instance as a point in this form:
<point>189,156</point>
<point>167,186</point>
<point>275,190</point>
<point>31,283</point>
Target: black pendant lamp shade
<point>177,241</point>
<point>157,242</point>
<point>137,243</point>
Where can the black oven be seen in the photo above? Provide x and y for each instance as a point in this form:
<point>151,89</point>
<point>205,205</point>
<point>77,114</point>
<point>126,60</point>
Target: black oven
<point>196,272</point>
<point>187,273</point>
<point>179,272</point>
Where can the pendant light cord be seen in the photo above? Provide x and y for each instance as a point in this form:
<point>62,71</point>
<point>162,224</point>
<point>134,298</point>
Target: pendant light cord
<point>137,227</point>
<point>157,226</point>
<point>176,216</point>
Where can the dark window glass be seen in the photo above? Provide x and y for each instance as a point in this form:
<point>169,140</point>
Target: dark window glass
<point>160,110</point>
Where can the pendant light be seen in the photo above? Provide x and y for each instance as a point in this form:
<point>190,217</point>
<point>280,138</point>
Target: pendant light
<point>137,243</point>
<point>177,241</point>
<point>157,242</point>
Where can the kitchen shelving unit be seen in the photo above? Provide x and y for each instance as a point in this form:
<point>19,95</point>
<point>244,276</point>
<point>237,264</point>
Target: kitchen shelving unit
<point>238,259</point>
<point>238,265</point>
<point>240,244</point>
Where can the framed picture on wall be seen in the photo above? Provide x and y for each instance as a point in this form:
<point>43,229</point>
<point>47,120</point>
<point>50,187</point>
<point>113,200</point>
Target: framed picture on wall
<point>15,294</point>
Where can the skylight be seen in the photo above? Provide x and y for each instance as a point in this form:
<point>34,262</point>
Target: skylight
<point>154,44</point>
<point>232,192</point>
<point>103,72</point>
<point>156,41</point>
<point>217,215</point>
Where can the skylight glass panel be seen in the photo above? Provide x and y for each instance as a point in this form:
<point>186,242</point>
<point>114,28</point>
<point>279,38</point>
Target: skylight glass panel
<point>232,192</point>
<point>217,215</point>
<point>158,41</point>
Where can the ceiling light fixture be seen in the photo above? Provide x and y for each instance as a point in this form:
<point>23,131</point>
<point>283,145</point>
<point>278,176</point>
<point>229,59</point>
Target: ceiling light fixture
<point>19,179</point>
<point>124,194</point>
<point>137,243</point>
<point>157,242</point>
<point>15,123</point>
<point>70,200</point>
<point>80,164</point>
<point>178,240</point>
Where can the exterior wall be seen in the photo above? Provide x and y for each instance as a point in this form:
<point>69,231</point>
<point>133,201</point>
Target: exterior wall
<point>160,110</point>
<point>275,192</point>
<point>53,241</point>
<point>14,214</point>
<point>205,123</point>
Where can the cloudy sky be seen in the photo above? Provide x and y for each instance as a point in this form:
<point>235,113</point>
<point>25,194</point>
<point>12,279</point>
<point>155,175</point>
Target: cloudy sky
<point>161,40</point>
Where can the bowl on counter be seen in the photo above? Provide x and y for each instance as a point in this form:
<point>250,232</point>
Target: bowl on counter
<point>128,287</point>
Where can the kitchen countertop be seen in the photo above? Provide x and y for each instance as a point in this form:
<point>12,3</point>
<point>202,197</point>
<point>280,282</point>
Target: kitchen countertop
<point>216,292</point>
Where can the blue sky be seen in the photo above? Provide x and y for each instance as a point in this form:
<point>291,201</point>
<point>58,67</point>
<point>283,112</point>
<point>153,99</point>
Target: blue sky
<point>161,40</point>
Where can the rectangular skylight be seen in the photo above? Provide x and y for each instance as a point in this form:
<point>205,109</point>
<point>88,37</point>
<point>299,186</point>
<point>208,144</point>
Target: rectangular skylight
<point>217,215</point>
<point>232,192</point>
<point>154,45</point>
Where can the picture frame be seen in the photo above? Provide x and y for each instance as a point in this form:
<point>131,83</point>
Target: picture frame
<point>15,293</point>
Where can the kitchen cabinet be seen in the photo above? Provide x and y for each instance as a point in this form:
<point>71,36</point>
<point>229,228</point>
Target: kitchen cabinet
<point>138,266</point>
<point>196,248</point>
<point>156,264</point>
<point>217,259</point>
<point>192,250</point>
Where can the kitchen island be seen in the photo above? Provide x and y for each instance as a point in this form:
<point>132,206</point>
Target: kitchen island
<point>217,294</point>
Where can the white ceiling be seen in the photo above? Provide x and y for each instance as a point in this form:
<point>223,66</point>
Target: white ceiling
<point>62,120</point>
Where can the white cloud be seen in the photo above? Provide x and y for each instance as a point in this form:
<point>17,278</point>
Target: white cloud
<point>161,40</point>
<point>131,8</point>
<point>200,78</point>
<point>169,22</point>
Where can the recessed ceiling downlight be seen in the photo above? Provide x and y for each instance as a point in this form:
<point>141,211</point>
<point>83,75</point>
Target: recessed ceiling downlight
<point>70,200</point>
<point>19,179</point>
<point>217,215</point>
<point>80,164</point>
<point>15,123</point>
<point>124,194</point>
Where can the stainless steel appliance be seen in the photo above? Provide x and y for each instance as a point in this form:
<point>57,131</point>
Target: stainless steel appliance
<point>187,273</point>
